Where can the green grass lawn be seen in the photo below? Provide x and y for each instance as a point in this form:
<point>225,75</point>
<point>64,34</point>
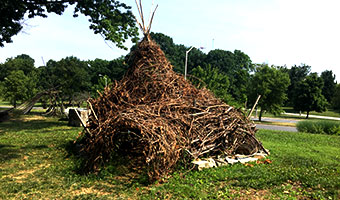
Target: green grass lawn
<point>36,163</point>
<point>5,103</point>
<point>329,113</point>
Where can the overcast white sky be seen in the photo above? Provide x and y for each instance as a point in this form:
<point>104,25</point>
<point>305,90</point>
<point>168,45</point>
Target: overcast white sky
<point>277,32</point>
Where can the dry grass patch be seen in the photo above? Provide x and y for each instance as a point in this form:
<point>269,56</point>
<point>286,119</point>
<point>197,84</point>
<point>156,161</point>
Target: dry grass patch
<point>251,194</point>
<point>27,118</point>
<point>90,190</point>
<point>24,174</point>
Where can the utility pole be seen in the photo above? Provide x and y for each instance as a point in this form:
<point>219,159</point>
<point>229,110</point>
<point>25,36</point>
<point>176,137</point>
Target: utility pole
<point>186,63</point>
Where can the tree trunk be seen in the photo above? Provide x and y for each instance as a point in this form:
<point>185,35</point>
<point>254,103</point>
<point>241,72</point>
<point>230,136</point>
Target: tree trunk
<point>307,115</point>
<point>15,103</point>
<point>260,115</point>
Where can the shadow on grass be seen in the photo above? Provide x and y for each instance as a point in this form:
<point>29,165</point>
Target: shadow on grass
<point>19,125</point>
<point>9,152</point>
<point>121,167</point>
<point>34,147</point>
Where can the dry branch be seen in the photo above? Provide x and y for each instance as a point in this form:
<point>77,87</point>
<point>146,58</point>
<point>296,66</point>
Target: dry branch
<point>155,114</point>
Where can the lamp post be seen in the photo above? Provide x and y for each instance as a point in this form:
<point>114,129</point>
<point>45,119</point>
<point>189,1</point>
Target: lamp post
<point>186,63</point>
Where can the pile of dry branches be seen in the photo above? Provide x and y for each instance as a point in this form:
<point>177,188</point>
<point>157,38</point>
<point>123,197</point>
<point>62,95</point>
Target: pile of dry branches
<point>155,114</point>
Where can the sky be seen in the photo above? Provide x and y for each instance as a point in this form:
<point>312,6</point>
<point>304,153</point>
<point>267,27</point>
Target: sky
<point>277,32</point>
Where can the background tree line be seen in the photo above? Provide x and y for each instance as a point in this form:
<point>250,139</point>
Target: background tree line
<point>230,75</point>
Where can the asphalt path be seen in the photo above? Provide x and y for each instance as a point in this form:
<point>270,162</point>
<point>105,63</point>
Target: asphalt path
<point>314,116</point>
<point>267,119</point>
<point>276,128</point>
<point>287,128</point>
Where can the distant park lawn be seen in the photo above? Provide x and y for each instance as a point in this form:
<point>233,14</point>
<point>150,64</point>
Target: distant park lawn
<point>36,162</point>
<point>5,103</point>
<point>330,112</point>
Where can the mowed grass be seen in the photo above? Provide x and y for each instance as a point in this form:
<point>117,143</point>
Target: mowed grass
<point>329,113</point>
<point>36,163</point>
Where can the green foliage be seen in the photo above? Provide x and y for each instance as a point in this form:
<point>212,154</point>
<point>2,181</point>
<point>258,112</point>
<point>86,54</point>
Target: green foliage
<point>212,79</point>
<point>114,69</point>
<point>319,127</point>
<point>271,83</point>
<point>173,52</point>
<point>308,96</point>
<point>37,162</point>
<point>103,81</point>
<point>336,98</point>
<point>21,62</point>
<point>176,53</point>
<point>110,18</point>
<point>17,87</point>
<point>70,75</point>
<point>329,85</point>
<point>296,75</point>
<point>18,78</point>
<point>237,66</point>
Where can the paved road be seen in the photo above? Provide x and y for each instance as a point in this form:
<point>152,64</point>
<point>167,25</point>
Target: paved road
<point>314,116</point>
<point>267,119</point>
<point>277,128</point>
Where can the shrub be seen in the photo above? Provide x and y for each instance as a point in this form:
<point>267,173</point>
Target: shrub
<point>319,126</point>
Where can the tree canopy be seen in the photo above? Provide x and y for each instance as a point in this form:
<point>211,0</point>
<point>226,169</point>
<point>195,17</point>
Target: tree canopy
<point>69,76</point>
<point>212,79</point>
<point>336,98</point>
<point>271,83</point>
<point>296,75</point>
<point>17,87</point>
<point>110,18</point>
<point>329,84</point>
<point>235,65</point>
<point>21,62</point>
<point>308,96</point>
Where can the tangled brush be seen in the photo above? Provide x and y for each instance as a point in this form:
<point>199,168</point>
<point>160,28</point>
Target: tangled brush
<point>154,113</point>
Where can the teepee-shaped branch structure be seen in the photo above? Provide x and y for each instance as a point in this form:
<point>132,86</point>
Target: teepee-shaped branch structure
<point>156,115</point>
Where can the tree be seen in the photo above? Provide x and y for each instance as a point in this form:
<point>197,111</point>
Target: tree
<point>296,75</point>
<point>271,83</point>
<point>336,98</point>
<point>308,96</point>
<point>103,81</point>
<point>223,60</point>
<point>16,87</point>
<point>237,66</point>
<point>69,75</point>
<point>212,79</point>
<point>329,84</point>
<point>114,69</point>
<point>21,62</point>
<point>110,18</point>
<point>176,53</point>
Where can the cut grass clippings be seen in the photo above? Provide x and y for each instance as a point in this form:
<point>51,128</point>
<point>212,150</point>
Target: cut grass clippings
<point>36,162</point>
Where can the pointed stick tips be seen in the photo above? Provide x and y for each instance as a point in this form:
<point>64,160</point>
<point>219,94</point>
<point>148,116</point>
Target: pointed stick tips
<point>144,29</point>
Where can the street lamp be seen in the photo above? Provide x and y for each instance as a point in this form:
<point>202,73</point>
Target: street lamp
<point>104,78</point>
<point>186,63</point>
